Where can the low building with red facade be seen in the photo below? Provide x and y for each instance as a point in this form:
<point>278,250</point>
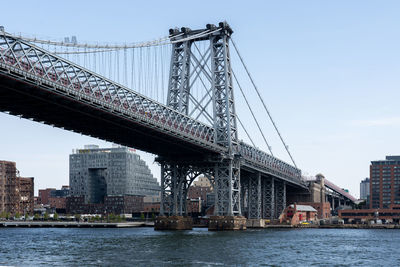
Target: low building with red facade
<point>295,214</point>
<point>323,208</point>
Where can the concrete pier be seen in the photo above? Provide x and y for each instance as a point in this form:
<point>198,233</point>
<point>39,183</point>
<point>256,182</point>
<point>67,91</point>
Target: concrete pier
<point>173,223</point>
<point>255,223</point>
<point>227,223</point>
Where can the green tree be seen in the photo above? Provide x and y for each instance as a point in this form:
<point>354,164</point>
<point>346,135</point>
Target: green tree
<point>77,217</point>
<point>17,215</point>
<point>142,216</point>
<point>3,215</point>
<point>55,217</point>
<point>111,217</point>
<point>36,217</point>
<point>153,216</point>
<point>46,216</point>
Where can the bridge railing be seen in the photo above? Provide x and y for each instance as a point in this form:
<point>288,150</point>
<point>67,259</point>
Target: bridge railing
<point>273,164</point>
<point>45,67</point>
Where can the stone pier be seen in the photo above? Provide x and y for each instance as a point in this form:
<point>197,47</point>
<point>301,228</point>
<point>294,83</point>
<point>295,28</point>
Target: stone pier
<point>226,223</point>
<point>173,223</point>
<point>255,223</point>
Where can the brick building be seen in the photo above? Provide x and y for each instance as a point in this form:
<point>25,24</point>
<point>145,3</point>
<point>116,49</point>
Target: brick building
<point>323,208</point>
<point>26,188</point>
<point>201,192</point>
<point>9,197</point>
<point>385,183</point>
<point>58,203</point>
<point>384,193</point>
<point>111,204</point>
<point>44,195</point>
<point>295,214</point>
<point>16,193</point>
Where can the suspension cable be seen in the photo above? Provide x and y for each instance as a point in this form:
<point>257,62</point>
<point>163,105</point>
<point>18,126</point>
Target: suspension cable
<point>241,124</point>
<point>252,113</point>
<point>262,101</point>
<point>157,42</point>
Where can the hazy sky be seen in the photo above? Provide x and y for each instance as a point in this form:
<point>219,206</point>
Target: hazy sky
<point>329,72</point>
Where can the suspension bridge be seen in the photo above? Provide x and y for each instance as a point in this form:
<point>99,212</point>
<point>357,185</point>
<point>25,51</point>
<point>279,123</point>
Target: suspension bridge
<point>172,97</point>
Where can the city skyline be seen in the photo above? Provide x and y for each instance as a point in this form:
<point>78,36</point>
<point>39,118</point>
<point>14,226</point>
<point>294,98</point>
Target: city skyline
<point>327,83</point>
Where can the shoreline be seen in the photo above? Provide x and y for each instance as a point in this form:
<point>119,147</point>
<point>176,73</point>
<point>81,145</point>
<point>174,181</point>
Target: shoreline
<point>43,224</point>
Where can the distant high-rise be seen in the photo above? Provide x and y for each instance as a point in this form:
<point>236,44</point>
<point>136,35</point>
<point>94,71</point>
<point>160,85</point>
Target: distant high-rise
<point>385,183</point>
<point>96,173</point>
<point>364,189</point>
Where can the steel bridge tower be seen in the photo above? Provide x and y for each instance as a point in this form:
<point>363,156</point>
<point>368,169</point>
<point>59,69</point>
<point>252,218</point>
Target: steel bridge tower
<point>223,170</point>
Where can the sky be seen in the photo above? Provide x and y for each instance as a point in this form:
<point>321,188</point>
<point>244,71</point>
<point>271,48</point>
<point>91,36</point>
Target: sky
<point>328,71</point>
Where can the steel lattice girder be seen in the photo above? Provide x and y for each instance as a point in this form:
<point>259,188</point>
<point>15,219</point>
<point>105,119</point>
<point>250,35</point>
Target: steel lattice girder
<point>280,197</point>
<point>268,196</point>
<point>244,194</point>
<point>223,99</point>
<point>227,187</point>
<point>254,181</point>
<point>178,88</point>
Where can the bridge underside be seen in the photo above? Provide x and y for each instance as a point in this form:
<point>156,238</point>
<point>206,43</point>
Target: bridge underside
<point>55,108</point>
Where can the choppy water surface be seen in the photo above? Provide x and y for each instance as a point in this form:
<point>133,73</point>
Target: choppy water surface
<point>146,247</point>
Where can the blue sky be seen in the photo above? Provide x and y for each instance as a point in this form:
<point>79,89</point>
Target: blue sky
<point>329,72</point>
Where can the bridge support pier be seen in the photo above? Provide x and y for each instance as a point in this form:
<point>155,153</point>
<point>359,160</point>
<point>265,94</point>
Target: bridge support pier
<point>176,178</point>
<point>173,223</point>
<point>268,194</point>
<point>227,212</point>
<point>226,223</point>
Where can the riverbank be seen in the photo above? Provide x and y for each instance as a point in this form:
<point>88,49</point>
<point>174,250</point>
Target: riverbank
<point>38,224</point>
<point>338,226</point>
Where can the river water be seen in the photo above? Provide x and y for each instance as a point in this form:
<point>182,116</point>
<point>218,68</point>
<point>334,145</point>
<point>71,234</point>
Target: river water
<point>199,247</point>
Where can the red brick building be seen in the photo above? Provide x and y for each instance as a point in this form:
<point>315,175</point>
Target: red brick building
<point>26,189</point>
<point>59,203</point>
<point>194,206</point>
<point>9,197</point>
<point>384,197</point>
<point>16,193</point>
<point>323,208</point>
<point>295,214</point>
<point>364,215</point>
<point>196,192</point>
<point>44,195</point>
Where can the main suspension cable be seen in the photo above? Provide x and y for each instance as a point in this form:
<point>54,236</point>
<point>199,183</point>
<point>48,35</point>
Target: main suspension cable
<point>262,101</point>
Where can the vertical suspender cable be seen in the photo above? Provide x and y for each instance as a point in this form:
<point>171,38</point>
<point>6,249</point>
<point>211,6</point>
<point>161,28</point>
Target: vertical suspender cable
<point>252,113</point>
<point>262,101</point>
<point>241,124</point>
